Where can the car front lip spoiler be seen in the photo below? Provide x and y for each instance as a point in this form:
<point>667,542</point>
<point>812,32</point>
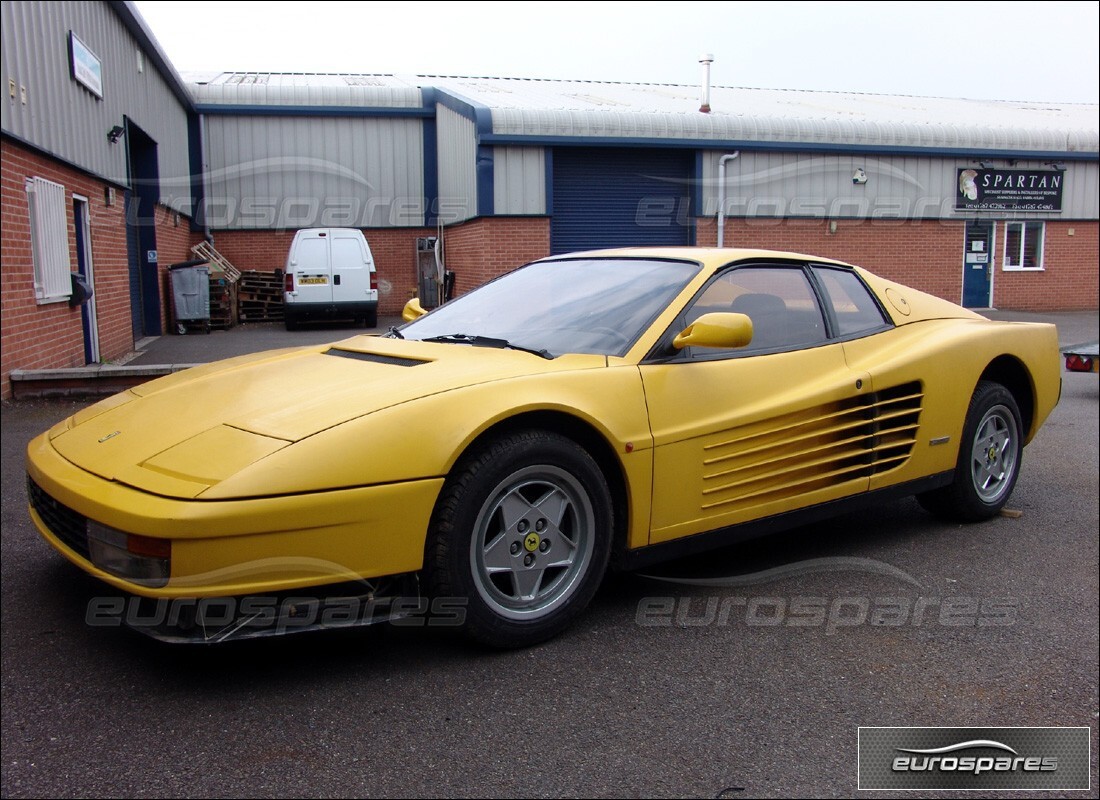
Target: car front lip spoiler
<point>213,620</point>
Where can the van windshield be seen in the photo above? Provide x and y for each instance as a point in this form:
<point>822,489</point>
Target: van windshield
<point>599,306</point>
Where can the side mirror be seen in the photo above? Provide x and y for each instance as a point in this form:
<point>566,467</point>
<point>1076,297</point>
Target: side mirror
<point>716,330</point>
<point>412,310</point>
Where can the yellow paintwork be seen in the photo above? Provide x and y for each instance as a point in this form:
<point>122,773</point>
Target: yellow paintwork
<point>412,310</point>
<point>715,330</point>
<point>295,468</point>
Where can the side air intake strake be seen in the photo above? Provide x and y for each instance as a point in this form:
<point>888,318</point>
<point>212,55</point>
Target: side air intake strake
<point>812,449</point>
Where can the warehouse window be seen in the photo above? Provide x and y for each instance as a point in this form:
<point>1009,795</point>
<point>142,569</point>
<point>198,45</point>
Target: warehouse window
<point>1023,245</point>
<point>49,240</point>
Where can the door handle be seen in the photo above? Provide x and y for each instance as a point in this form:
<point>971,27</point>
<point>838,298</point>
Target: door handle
<point>336,280</point>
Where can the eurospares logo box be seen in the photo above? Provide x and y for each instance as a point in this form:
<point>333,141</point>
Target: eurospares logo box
<point>1028,759</point>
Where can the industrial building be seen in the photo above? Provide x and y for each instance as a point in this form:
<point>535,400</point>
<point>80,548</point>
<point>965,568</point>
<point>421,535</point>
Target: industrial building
<point>114,166</point>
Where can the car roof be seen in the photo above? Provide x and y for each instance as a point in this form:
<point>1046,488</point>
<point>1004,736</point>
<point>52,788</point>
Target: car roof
<point>709,256</point>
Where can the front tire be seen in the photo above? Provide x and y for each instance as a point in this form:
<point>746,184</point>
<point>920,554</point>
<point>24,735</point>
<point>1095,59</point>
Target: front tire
<point>989,460</point>
<point>522,532</point>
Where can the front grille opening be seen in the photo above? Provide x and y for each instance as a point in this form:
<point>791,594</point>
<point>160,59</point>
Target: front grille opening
<point>64,523</point>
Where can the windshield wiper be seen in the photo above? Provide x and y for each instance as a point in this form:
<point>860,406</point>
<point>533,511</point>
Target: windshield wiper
<point>487,341</point>
<point>394,333</point>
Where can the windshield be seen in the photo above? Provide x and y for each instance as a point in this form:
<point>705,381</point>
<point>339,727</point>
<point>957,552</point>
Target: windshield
<point>598,306</point>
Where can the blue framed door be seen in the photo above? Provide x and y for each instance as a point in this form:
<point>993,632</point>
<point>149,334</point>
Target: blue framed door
<point>978,263</point>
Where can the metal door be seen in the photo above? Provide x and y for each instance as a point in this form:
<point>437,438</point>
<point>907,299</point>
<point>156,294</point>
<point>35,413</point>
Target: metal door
<point>978,258</point>
<point>312,268</point>
<point>88,318</point>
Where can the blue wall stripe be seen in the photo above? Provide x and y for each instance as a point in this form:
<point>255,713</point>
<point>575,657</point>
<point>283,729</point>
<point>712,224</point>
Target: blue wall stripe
<point>194,157</point>
<point>240,109</point>
<point>431,161</point>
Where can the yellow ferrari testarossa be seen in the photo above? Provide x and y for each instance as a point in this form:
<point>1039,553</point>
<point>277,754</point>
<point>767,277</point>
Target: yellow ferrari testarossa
<point>485,463</point>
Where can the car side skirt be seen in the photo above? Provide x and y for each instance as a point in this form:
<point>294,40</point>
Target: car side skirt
<point>638,558</point>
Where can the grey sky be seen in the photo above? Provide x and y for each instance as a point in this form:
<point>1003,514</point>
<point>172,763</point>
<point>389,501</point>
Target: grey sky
<point>1008,51</point>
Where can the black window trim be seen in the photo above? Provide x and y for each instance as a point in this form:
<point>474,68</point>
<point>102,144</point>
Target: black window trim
<point>663,352</point>
<point>831,324</point>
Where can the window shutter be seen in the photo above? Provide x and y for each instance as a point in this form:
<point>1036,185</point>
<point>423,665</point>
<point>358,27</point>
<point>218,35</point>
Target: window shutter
<point>49,240</point>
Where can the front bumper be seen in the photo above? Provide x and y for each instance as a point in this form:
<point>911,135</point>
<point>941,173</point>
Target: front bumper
<point>239,547</point>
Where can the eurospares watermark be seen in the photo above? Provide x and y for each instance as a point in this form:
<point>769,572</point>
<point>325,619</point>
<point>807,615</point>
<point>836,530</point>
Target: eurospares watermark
<point>1028,759</point>
<point>831,613</point>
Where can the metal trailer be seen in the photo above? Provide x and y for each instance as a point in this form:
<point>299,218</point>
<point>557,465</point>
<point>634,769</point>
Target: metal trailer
<point>1082,357</point>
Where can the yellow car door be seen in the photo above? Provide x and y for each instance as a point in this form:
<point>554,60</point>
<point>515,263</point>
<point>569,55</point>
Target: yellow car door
<point>745,433</point>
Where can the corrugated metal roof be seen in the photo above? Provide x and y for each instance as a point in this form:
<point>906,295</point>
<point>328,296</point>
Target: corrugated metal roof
<point>552,108</point>
<point>542,108</point>
<point>303,89</point>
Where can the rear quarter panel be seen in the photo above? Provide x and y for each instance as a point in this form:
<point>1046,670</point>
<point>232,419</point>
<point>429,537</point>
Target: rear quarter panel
<point>948,357</point>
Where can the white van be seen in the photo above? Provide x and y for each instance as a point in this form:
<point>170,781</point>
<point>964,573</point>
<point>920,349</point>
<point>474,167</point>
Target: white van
<point>330,275</point>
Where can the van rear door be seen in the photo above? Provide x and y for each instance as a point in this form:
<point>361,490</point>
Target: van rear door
<point>310,264</point>
<point>351,266</point>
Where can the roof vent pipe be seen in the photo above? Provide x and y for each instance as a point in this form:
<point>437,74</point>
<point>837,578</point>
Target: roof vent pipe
<point>722,194</point>
<point>704,97</point>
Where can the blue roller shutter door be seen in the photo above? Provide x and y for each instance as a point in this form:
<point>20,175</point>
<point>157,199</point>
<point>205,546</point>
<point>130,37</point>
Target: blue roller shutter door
<point>621,198</point>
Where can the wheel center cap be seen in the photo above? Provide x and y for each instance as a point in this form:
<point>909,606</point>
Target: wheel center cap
<point>992,453</point>
<point>531,542</point>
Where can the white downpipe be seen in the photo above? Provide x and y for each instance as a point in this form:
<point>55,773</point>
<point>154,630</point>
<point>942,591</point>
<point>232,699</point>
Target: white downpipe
<point>722,194</point>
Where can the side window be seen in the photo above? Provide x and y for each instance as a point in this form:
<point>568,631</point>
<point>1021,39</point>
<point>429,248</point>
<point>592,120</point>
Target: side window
<point>854,309</point>
<point>779,301</point>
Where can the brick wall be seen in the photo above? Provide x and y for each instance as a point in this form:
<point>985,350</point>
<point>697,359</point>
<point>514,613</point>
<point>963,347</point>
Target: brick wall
<point>174,241</point>
<point>482,249</point>
<point>1070,276</point>
<point>394,251</point>
<point>927,255</point>
<point>34,336</point>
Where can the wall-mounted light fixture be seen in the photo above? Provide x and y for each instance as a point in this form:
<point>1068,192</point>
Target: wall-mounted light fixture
<point>985,164</point>
<point>115,134</point>
<point>859,177</point>
<point>1058,165</point>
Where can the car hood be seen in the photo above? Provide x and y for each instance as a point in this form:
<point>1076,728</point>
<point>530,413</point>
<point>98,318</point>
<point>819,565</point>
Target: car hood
<point>181,434</point>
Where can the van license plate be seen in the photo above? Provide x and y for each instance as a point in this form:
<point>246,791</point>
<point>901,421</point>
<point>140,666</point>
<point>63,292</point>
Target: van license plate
<point>313,280</point>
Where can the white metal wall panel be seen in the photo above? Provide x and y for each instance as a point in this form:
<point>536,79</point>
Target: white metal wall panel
<point>457,145</point>
<point>62,117</point>
<point>519,180</point>
<point>772,184</point>
<point>298,172</point>
<point>49,239</point>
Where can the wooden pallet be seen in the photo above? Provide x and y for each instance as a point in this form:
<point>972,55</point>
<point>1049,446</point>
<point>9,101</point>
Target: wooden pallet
<point>206,250</point>
<point>223,302</point>
<point>260,296</point>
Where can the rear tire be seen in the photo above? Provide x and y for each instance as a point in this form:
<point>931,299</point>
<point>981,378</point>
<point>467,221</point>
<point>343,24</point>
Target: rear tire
<point>990,454</point>
<point>522,533</point>
<point>290,320</point>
